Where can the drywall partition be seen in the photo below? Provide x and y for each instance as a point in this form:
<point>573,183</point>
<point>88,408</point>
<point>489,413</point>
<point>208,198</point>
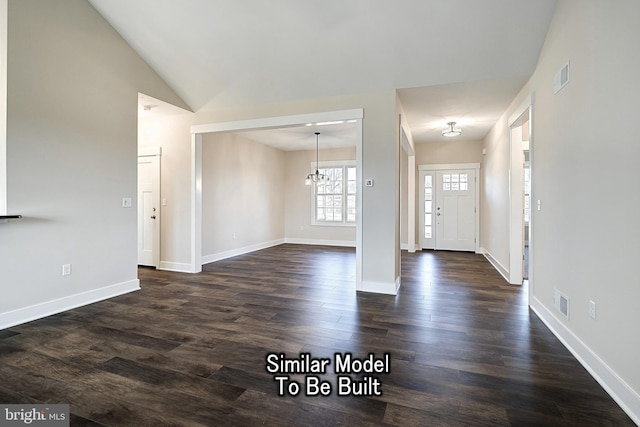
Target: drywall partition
<point>71,159</point>
<point>243,196</point>
<point>582,153</point>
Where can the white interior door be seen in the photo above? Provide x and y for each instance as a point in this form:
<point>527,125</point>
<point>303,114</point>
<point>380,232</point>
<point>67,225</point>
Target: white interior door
<point>149,210</point>
<point>455,210</point>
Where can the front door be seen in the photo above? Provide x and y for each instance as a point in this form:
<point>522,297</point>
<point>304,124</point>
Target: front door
<point>149,210</point>
<point>455,210</point>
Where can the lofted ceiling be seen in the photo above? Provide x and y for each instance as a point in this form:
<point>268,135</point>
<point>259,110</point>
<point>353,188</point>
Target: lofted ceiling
<point>451,60</point>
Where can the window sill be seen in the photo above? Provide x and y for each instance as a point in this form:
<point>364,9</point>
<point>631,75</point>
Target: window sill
<point>334,224</point>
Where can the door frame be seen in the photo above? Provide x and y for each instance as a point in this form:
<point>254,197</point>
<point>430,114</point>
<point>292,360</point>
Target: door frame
<point>446,166</point>
<point>153,152</point>
<point>516,196</point>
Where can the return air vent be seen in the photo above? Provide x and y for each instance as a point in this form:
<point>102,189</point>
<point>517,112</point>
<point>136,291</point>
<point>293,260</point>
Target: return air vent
<point>561,303</point>
<point>561,78</point>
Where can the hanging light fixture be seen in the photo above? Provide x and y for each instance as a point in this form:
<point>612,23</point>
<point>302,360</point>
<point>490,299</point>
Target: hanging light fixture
<point>317,178</point>
<point>451,131</point>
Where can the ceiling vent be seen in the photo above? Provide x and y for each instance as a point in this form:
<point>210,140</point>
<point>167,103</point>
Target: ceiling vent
<point>561,79</point>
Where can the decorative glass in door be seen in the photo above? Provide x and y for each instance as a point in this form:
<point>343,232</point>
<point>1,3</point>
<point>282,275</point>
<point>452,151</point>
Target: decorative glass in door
<point>428,206</point>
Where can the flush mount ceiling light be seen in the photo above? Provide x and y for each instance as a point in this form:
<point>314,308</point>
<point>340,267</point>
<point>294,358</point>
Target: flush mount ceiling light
<point>317,178</point>
<point>451,131</point>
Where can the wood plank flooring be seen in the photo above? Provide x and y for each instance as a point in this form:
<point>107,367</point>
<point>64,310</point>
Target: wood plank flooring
<point>190,349</point>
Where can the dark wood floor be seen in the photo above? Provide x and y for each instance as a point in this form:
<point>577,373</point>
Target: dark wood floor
<point>190,349</point>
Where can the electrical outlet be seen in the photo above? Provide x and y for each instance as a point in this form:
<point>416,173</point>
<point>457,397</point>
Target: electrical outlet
<point>66,269</point>
<point>592,310</point>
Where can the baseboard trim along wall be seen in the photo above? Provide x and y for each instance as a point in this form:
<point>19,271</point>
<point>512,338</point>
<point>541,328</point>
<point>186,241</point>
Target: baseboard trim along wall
<point>45,309</point>
<point>240,251</point>
<point>619,390</point>
<point>496,264</point>
<point>390,288</point>
<point>321,242</point>
<point>178,267</point>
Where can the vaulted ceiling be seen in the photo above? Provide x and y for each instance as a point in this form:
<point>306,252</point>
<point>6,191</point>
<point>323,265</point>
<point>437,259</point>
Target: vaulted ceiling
<point>460,60</point>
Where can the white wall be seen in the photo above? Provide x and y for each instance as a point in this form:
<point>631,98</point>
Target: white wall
<point>243,194</point>
<point>586,242</point>
<point>71,157</point>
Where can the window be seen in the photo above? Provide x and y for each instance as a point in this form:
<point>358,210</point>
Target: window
<point>335,202</point>
<point>455,182</point>
<point>428,206</point>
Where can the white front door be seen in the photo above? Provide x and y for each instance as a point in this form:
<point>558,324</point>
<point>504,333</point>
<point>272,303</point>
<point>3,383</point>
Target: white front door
<point>149,210</point>
<point>455,210</point>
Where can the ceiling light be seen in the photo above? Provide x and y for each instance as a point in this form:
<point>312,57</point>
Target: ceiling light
<point>451,131</point>
<point>333,122</point>
<point>317,178</point>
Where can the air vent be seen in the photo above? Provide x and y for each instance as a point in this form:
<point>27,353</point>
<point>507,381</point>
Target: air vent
<point>561,303</point>
<point>561,79</point>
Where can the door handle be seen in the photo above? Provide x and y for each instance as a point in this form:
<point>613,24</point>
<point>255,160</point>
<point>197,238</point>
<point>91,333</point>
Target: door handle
<point>153,217</point>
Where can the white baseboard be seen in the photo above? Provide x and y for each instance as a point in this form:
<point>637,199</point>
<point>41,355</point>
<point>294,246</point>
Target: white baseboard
<point>406,247</point>
<point>321,242</point>
<point>496,264</point>
<point>389,288</point>
<point>618,389</point>
<point>240,251</point>
<point>179,267</point>
<point>38,311</point>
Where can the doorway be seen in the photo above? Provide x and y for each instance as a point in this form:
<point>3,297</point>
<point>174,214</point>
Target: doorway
<point>520,184</point>
<point>449,217</point>
<point>197,132</point>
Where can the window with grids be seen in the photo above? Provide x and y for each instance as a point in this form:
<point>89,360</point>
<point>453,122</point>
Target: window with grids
<point>335,202</point>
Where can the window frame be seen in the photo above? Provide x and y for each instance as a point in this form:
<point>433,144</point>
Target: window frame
<point>344,164</point>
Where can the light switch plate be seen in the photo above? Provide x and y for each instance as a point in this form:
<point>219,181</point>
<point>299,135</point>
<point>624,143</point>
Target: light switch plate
<point>127,202</point>
<point>368,182</point>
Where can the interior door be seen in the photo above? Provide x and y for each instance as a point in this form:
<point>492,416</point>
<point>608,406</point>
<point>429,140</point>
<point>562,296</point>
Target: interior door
<point>149,210</point>
<point>455,210</point>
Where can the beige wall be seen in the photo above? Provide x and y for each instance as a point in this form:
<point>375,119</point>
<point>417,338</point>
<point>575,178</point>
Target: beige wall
<point>73,85</point>
<point>495,210</point>
<point>298,227</point>
<point>453,151</point>
<point>584,172</point>
<point>243,193</point>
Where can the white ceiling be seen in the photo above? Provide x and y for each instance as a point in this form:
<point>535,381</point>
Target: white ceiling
<point>457,60</point>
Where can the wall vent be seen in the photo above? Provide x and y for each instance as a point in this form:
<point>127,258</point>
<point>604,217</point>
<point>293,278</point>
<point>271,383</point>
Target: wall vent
<point>561,79</point>
<point>561,303</point>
